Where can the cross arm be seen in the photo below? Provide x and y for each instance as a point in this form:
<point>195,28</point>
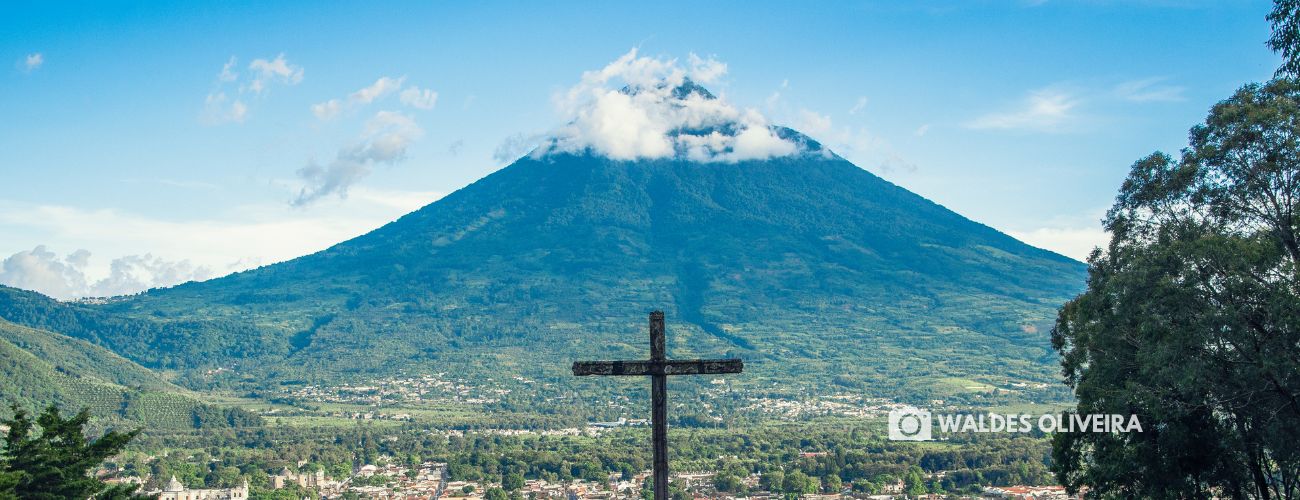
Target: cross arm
<point>649,367</point>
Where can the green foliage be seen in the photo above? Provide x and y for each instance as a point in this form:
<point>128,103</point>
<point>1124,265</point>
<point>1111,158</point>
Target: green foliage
<point>513,481</point>
<point>55,463</point>
<point>727,482</point>
<point>1285,18</point>
<point>1191,319</point>
<point>39,368</point>
<point>832,484</point>
<point>798,483</point>
<point>772,480</point>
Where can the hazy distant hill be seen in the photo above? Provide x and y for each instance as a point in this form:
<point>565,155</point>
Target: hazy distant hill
<point>38,368</point>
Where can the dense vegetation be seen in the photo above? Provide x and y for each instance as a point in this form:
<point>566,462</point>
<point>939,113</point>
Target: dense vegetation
<point>1191,319</point>
<point>55,461</point>
<point>40,368</point>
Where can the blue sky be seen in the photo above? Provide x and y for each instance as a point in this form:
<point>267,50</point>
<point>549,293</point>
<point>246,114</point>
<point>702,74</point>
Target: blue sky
<point>121,135</point>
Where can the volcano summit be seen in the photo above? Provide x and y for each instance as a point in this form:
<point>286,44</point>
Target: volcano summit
<point>760,242</point>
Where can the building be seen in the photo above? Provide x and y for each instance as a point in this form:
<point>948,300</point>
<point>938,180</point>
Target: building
<point>176,491</point>
<point>305,480</point>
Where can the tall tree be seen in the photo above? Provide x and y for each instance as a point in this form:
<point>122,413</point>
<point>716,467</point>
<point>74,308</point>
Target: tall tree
<point>1286,35</point>
<point>55,463</point>
<point>1191,319</point>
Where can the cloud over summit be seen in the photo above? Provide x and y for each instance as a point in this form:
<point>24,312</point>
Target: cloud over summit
<point>645,108</point>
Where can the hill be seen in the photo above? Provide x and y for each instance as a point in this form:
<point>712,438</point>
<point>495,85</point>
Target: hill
<point>39,368</point>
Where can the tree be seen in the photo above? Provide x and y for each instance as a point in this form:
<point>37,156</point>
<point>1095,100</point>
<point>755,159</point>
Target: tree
<point>772,480</point>
<point>1286,35</point>
<point>832,484</point>
<point>1191,319</point>
<point>798,483</point>
<point>495,494</point>
<point>727,482</point>
<point>55,463</point>
<point>512,482</point>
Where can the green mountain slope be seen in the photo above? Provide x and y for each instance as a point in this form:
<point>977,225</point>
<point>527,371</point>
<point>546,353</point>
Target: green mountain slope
<point>818,273</point>
<point>38,368</point>
<point>812,269</point>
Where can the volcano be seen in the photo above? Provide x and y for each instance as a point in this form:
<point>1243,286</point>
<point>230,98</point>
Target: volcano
<point>815,271</point>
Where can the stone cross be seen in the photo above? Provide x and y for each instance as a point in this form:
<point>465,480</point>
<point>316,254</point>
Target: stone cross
<point>659,367</point>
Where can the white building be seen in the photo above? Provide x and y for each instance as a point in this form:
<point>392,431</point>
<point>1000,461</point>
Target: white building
<point>176,491</point>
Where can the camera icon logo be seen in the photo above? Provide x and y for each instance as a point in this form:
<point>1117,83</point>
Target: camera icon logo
<point>909,424</point>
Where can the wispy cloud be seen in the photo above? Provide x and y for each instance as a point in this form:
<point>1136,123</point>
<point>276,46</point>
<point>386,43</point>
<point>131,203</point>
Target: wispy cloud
<point>32,62</point>
<point>219,108</point>
<point>412,96</point>
<point>1149,90</point>
<point>226,102</point>
<point>278,70</point>
<point>859,105</point>
<point>515,146</point>
<point>386,138</point>
<point>864,148</point>
<point>1041,110</point>
<point>1073,236</point>
<point>419,98</point>
<point>706,71</point>
<point>228,73</point>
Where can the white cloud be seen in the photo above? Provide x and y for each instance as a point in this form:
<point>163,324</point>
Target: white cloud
<point>922,130</point>
<point>382,87</point>
<point>65,277</point>
<point>278,70</point>
<point>327,110</point>
<point>814,124</point>
<point>219,108</point>
<point>515,146</point>
<point>1149,90</point>
<point>860,146</point>
<point>638,107</point>
<point>706,71</point>
<point>385,139</point>
<point>417,97</point>
<point>1073,236</point>
<point>858,106</point>
<point>32,62</point>
<point>133,252</point>
<point>772,100</point>
<point>228,73</point>
<point>1073,242</point>
<point>1042,110</point>
<point>412,96</point>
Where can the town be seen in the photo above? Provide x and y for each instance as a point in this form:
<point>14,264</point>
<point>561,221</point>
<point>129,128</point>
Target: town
<point>431,480</point>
